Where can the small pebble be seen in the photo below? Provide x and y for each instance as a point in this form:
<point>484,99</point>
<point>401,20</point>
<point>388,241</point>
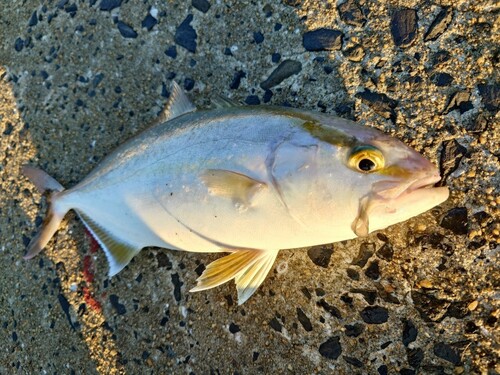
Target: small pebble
<point>351,13</point>
<point>171,52</point>
<point>456,220</point>
<point>258,37</point>
<point>322,40</point>
<point>441,79</point>
<point>331,348</point>
<point>490,95</point>
<point>380,103</point>
<point>404,27</point>
<point>320,255</point>
<point>126,30</point>
<point>201,5</point>
<point>108,5</point>
<point>374,315</point>
<point>185,36</point>
<point>149,22</point>
<point>439,25</point>
<point>284,70</point>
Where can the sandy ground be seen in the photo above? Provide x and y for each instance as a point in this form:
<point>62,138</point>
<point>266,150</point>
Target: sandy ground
<point>78,78</point>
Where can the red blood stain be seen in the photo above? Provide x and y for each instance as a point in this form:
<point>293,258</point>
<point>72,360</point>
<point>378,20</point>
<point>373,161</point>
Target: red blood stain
<point>88,272</point>
<point>90,300</point>
<point>94,245</point>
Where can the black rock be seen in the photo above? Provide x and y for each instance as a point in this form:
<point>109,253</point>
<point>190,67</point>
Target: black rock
<point>366,251</point>
<point>439,58</point>
<point>19,44</point>
<point>382,370</point>
<point>276,57</point>
<point>353,361</point>
<point>407,371</point>
<point>115,302</point>
<point>459,100</point>
<point>185,36</point>
<point>258,37</point>
<point>332,310</point>
<point>451,155</point>
<point>126,30</point>
<point>354,330</point>
<point>33,19</point>
<point>456,220</point>
<point>447,353</point>
<point>386,252</point>
<point>431,309</point>
<point>188,84</point>
<point>71,9</point>
<point>199,270</point>
<point>380,103</point>
<point>201,5</point>
<point>458,310</point>
<point>409,332</point>
<point>439,25</point>
<point>177,286</point>
<point>351,13</point>
<point>252,100</point>
<point>235,83</point>
<point>369,295</point>
<point>171,52</point>
<point>404,27</point>
<point>442,79</point>
<point>234,328</point>
<point>320,255</point>
<point>109,4</point>
<point>304,320</point>
<point>322,40</point>
<point>284,70</point>
<point>480,124</point>
<point>149,22</point>
<point>373,270</point>
<point>275,324</point>
<point>331,348</point>
<point>353,274</point>
<point>491,96</point>
<point>415,357</point>
<point>374,315</point>
<point>163,260</point>
<point>354,53</point>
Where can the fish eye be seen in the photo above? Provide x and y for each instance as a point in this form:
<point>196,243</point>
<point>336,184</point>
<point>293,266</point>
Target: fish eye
<point>366,159</point>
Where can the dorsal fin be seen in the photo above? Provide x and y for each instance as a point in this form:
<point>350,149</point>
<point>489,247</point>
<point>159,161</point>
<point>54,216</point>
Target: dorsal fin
<point>222,102</point>
<point>178,104</point>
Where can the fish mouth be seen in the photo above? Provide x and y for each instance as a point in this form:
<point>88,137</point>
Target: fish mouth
<point>427,182</point>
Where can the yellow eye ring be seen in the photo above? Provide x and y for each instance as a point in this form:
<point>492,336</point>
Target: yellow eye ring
<point>366,159</point>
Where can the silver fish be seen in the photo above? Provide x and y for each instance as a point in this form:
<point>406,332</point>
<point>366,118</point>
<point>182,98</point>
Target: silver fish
<point>244,180</point>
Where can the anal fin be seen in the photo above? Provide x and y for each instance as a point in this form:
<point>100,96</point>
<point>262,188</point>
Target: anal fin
<point>249,268</point>
<point>118,252</point>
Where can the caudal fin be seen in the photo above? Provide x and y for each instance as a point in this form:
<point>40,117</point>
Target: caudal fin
<point>45,184</point>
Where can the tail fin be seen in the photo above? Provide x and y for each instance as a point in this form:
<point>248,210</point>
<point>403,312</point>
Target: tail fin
<point>45,184</point>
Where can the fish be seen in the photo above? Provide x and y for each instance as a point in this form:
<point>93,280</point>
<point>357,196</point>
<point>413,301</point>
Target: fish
<point>244,180</point>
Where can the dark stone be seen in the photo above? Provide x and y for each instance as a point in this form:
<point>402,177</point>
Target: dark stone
<point>382,370</point>
<point>126,30</point>
<point>306,292</point>
<point>373,270</point>
<point>185,36</point>
<point>451,155</point>
<point>480,124</point>
<point>163,260</point>
<point>439,25</point>
<point>409,332</point>
<point>278,26</point>
<point>201,5</point>
<point>331,348</point>
<point>404,27</point>
<point>328,69</point>
<point>109,4</point>
<point>380,103</point>
<point>491,96</point>
<point>268,94</point>
<point>353,274</point>
<point>456,220</point>
<point>171,52</point>
<point>366,251</point>
<point>115,303</point>
<point>320,255</point>
<point>199,270</point>
<point>8,131</point>
<point>255,356</point>
<point>415,357</point>
<point>284,70</point>
<point>351,13</point>
<point>188,84</point>
<point>354,53</point>
<point>258,37</point>
<point>33,19</point>
<point>460,101</point>
<point>353,361</point>
<point>71,9</point>
<point>374,315</point>
<point>447,353</point>
<point>442,79</point>
<point>332,310</point>
<point>439,58</point>
<point>322,40</point>
<point>65,307</point>
<point>61,3</point>
<point>407,371</point>
<point>19,44</point>
<point>304,320</point>
<point>234,328</point>
<point>431,309</point>
<point>149,22</point>
<point>252,100</point>
<point>275,324</point>
<point>458,310</point>
<point>354,330</point>
<point>237,79</point>
<point>386,252</point>
<point>369,295</point>
<point>177,286</point>
<point>276,57</point>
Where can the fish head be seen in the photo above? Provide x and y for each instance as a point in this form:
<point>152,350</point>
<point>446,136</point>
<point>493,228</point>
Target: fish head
<point>390,182</point>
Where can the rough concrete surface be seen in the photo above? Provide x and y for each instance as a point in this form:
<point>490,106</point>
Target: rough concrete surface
<point>80,77</point>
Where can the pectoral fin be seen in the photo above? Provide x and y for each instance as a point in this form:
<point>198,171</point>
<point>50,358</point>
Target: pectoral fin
<point>118,252</point>
<point>236,186</point>
<point>249,268</point>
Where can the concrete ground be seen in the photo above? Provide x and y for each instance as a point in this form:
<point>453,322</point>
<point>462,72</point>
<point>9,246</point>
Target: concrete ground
<point>80,77</point>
